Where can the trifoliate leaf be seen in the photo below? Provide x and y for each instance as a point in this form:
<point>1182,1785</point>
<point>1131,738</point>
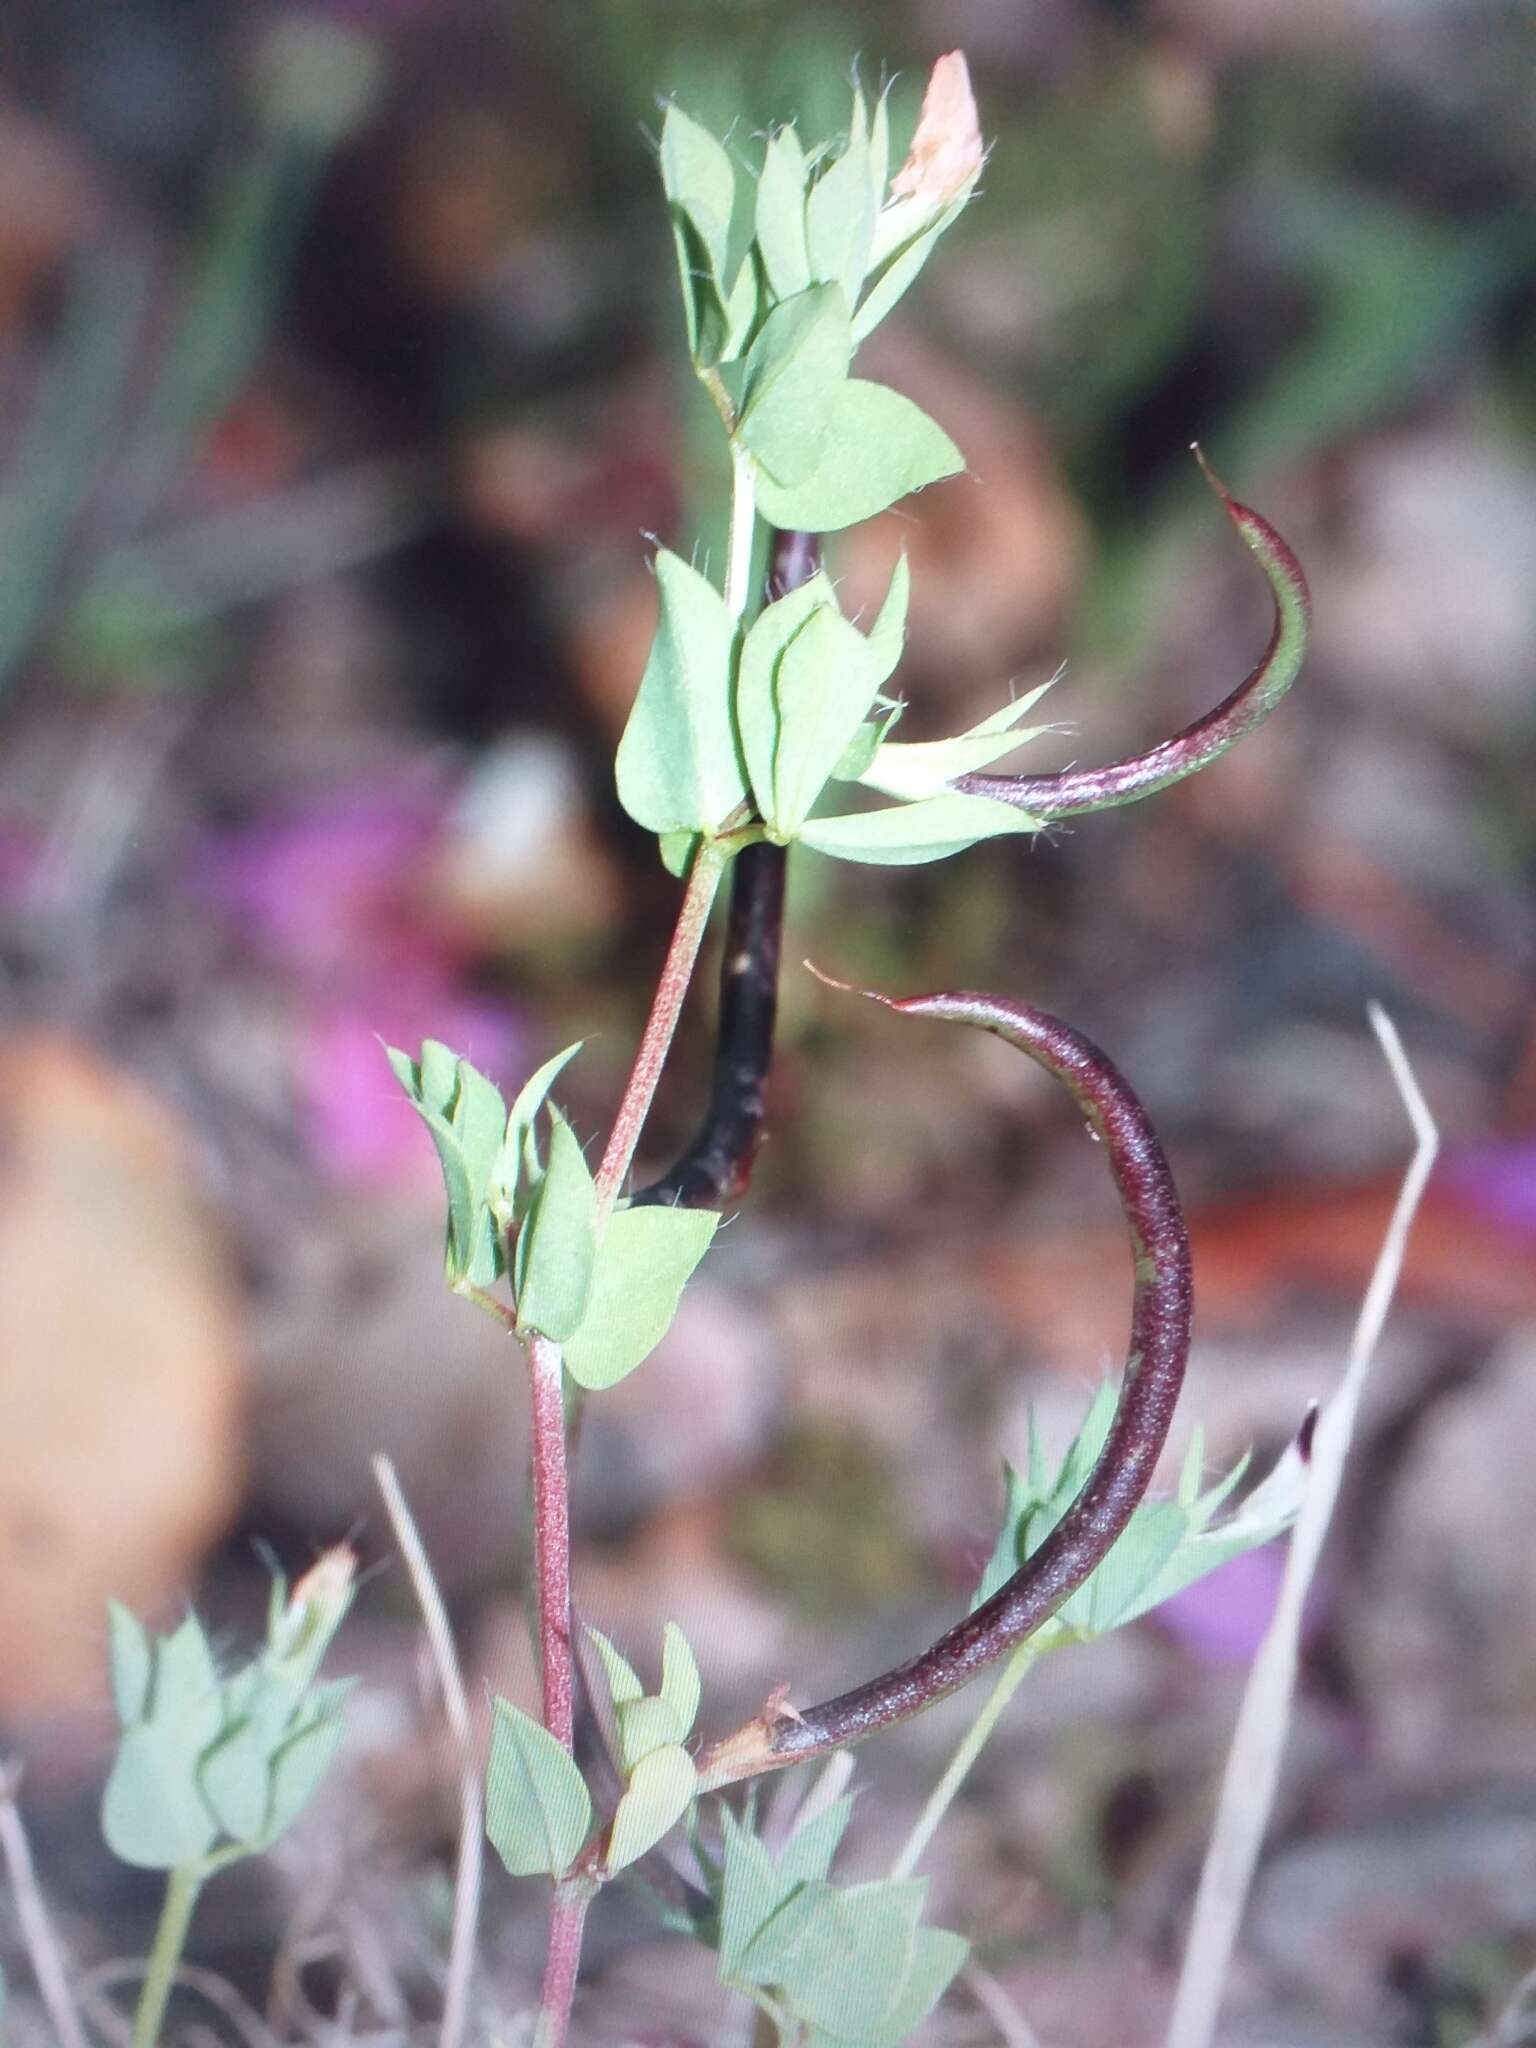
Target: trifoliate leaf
<point>680,1685</point>
<point>538,1812</point>
<point>661,1787</point>
<point>646,1258</point>
<point>557,1245</point>
<point>879,446</point>
<point>795,372</point>
<point>907,834</point>
<point>780,216</point>
<point>152,1814</point>
<point>920,768</point>
<point>679,768</point>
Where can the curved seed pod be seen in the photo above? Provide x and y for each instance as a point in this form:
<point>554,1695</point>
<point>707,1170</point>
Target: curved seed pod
<point>1122,782</point>
<point>1154,1372</point>
<point>717,1165</point>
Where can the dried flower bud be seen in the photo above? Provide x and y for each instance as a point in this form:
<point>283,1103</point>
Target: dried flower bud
<point>947,149</point>
<point>301,1632</point>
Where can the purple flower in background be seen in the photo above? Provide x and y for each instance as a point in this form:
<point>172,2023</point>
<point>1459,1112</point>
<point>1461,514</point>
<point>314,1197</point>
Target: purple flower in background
<point>1496,1177</point>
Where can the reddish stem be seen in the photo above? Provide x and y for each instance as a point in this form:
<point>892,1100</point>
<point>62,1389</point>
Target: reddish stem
<point>562,1963</point>
<point>552,1537</point>
<point>666,1007</point>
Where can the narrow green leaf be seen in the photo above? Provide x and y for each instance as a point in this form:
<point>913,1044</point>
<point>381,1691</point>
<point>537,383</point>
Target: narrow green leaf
<point>921,768</point>
<point>645,1725</point>
<point>680,1684</point>
<point>699,177</point>
<point>908,834</point>
<point>751,1891</point>
<point>780,216</point>
<point>1006,1556</point>
<point>131,1663</point>
<point>510,1187</point>
<point>893,275</point>
<point>840,213</point>
<point>660,1790</point>
<point>558,1243</point>
<point>235,1778</point>
<point>623,1681</point>
<point>151,1813</point>
<point>888,635</point>
<point>679,768</point>
<point>466,1116</point>
<point>879,446</point>
<point>757,704</point>
<point>795,372</point>
<point>537,1809</point>
<point>646,1258</point>
<point>184,1695</point>
<point>937,1956</point>
<point>297,1770</point>
<point>807,1855</point>
<point>823,688</point>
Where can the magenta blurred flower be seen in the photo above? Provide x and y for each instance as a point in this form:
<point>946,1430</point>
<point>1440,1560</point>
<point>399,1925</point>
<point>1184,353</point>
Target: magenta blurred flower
<point>1496,1177</point>
<point>1221,1619</point>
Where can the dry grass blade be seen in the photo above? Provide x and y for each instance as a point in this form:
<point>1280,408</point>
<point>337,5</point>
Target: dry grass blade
<point>1253,1763</point>
<point>42,1944</point>
<point>467,1869</point>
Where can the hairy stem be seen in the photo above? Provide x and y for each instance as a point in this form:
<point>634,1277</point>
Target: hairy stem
<point>1076,790</point>
<point>181,1890</point>
<point>958,1769</point>
<point>552,1537</point>
<point>666,1007</point>
<point>1154,1372</point>
<point>562,1962</point>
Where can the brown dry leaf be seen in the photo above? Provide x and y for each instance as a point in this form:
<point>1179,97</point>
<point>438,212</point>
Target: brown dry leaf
<point>120,1368</point>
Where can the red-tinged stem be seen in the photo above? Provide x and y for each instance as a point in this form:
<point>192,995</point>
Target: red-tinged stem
<point>552,1538</point>
<point>1154,1371</point>
<point>562,1963</point>
<point>666,1007</point>
<point>1076,790</point>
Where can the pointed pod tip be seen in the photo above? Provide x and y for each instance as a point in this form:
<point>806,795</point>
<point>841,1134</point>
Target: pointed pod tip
<point>847,988</point>
<point>1213,479</point>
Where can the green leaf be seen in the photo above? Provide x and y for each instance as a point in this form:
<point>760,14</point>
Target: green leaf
<point>699,177</point>
<point>1006,1557</point>
<point>879,446</point>
<point>679,768</point>
<point>795,373</point>
<point>558,1243</point>
<point>757,703</point>
<point>184,1697</point>
<point>921,768</point>
<point>510,1186</point>
<point>840,213</point>
<point>297,1770</point>
<point>822,687</point>
<point>907,834</point>
<point>937,1956</point>
<point>751,1891</point>
<point>660,1790</point>
<point>807,1855</point>
<point>131,1663</point>
<point>780,215</point>
<point>677,850</point>
<point>888,635</point>
<point>895,273</point>
<point>623,1682</point>
<point>680,1685</point>
<point>645,1725</point>
<point>467,1119</point>
<point>537,1809</point>
<point>152,1815</point>
<point>850,1963</point>
<point>235,1778</point>
<point>646,1258</point>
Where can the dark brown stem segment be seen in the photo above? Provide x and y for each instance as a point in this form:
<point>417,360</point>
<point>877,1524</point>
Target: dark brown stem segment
<point>1122,782</point>
<point>1154,1371</point>
<point>717,1166</point>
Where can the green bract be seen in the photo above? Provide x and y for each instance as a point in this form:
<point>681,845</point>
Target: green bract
<point>650,1730</point>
